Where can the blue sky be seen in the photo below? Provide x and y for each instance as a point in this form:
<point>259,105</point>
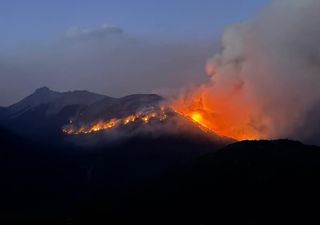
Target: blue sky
<point>64,44</point>
<point>22,21</point>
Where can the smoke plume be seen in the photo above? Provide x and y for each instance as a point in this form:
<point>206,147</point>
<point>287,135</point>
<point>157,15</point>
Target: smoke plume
<point>266,79</point>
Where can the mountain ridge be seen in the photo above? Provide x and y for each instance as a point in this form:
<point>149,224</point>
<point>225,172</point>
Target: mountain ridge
<point>44,96</point>
<point>192,176</point>
<point>239,183</point>
<point>33,114</point>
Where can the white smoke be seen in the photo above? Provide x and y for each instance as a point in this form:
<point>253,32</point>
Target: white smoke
<point>275,61</point>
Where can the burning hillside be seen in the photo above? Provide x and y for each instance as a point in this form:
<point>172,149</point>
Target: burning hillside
<point>143,117</point>
<point>264,83</point>
<point>217,117</point>
<point>149,112</point>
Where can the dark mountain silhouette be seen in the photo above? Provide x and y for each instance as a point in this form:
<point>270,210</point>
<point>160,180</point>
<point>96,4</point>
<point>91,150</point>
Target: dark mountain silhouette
<point>45,111</point>
<point>163,180</point>
<point>41,96</point>
<point>185,176</point>
<point>2,113</point>
<point>249,182</point>
<point>43,115</point>
<point>56,101</point>
<point>49,182</point>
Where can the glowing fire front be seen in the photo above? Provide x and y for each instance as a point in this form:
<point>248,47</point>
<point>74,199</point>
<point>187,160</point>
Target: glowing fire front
<point>220,115</point>
<point>225,121</point>
<point>145,118</point>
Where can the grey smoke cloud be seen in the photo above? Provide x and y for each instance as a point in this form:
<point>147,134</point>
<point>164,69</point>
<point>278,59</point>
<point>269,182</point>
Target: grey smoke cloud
<point>276,62</point>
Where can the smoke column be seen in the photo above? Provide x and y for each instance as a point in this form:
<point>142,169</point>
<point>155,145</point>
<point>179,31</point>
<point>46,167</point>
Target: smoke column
<point>265,82</point>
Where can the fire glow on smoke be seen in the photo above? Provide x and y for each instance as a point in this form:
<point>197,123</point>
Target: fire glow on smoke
<point>219,115</point>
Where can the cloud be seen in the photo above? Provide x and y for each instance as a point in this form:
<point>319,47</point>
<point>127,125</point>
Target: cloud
<point>103,31</point>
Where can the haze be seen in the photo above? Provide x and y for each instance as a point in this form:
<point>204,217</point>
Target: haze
<point>111,47</point>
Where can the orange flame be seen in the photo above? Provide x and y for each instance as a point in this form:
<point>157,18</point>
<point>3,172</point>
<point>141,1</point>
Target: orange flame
<point>112,123</point>
<point>224,115</point>
<point>197,117</point>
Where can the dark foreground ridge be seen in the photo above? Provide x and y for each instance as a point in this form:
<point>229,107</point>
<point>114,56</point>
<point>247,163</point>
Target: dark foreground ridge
<point>158,181</point>
<point>51,182</point>
<point>185,176</point>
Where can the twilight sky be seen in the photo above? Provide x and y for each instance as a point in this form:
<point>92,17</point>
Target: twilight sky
<point>114,47</point>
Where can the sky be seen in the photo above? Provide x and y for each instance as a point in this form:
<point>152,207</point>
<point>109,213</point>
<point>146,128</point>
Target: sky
<point>64,44</point>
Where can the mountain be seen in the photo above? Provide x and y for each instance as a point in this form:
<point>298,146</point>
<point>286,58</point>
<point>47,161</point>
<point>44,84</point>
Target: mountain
<point>147,179</point>
<point>158,172</point>
<point>35,178</point>
<point>49,175</point>
<point>43,182</point>
<point>55,100</point>
<point>249,182</point>
<point>2,113</point>
<point>45,112</point>
<point>41,96</point>
<point>118,107</point>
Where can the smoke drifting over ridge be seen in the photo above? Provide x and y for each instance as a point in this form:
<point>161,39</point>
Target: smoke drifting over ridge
<point>267,76</point>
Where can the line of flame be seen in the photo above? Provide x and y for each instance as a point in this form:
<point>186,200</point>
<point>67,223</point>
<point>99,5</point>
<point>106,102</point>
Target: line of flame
<point>112,123</point>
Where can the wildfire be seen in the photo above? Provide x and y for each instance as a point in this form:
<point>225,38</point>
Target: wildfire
<point>197,117</point>
<point>144,117</point>
<point>226,118</point>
